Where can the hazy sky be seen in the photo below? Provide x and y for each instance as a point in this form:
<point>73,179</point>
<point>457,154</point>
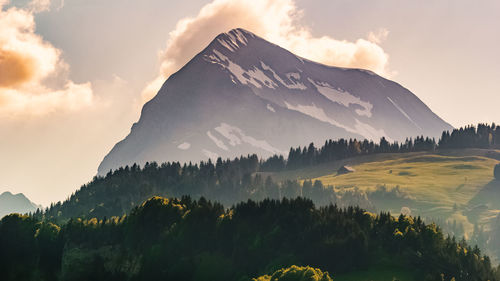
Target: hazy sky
<point>74,74</point>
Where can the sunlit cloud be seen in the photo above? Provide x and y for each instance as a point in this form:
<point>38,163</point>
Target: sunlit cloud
<point>32,74</point>
<point>275,20</point>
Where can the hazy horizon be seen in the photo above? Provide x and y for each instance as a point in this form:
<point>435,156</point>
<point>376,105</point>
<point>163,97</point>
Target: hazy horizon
<point>84,69</point>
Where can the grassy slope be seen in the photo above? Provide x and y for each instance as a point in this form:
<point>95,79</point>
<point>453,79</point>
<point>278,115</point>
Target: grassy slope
<point>436,180</point>
<point>443,180</point>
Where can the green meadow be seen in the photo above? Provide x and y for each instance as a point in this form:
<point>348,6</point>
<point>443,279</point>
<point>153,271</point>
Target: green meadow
<point>448,185</point>
<point>435,179</point>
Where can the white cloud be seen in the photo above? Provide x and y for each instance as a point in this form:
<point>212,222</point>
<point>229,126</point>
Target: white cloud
<point>379,36</point>
<point>37,6</point>
<point>28,63</point>
<point>275,20</point>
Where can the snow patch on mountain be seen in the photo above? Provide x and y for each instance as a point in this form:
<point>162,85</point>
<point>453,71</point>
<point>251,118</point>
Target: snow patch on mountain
<point>290,85</point>
<point>254,76</point>
<point>210,154</point>
<point>293,75</point>
<point>360,128</point>
<point>315,112</point>
<point>233,39</point>
<point>184,146</point>
<point>369,132</point>
<point>342,97</point>
<point>270,108</point>
<point>226,45</point>
<point>404,113</point>
<point>217,141</point>
<point>236,136</point>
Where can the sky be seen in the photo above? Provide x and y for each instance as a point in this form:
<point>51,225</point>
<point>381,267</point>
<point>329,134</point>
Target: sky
<point>74,74</point>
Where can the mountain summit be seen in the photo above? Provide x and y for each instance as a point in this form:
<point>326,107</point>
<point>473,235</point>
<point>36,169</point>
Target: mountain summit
<point>243,94</point>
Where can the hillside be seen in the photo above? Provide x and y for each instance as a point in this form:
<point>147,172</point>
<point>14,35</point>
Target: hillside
<point>447,184</point>
<point>442,177</point>
<point>243,94</point>
<point>439,180</point>
<point>449,181</point>
<point>228,181</point>
<point>454,187</point>
<point>172,239</point>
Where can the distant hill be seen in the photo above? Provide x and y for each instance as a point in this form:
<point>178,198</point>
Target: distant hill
<point>16,203</point>
<point>243,94</point>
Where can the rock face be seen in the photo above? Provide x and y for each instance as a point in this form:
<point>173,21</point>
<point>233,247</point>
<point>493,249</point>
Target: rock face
<point>16,203</point>
<point>242,95</point>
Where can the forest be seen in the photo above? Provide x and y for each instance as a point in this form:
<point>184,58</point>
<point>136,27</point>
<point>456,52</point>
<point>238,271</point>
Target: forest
<point>119,191</point>
<point>186,239</point>
<point>104,231</point>
<point>232,181</point>
<point>482,136</point>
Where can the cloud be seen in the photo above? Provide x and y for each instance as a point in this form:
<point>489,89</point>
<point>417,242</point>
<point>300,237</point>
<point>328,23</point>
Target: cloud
<point>379,36</point>
<point>32,74</point>
<point>37,6</point>
<point>275,20</point>
<point>14,68</point>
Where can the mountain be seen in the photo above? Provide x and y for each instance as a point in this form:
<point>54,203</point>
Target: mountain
<point>243,94</point>
<point>16,203</point>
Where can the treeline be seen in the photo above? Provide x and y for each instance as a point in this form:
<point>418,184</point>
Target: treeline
<point>231,181</point>
<point>186,239</point>
<point>120,190</point>
<point>482,136</point>
<point>340,149</point>
<point>228,182</point>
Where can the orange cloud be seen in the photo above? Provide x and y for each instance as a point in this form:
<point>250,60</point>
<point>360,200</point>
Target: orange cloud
<point>26,61</point>
<point>15,68</point>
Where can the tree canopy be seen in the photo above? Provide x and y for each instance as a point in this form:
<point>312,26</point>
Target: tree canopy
<point>297,273</point>
<point>186,239</point>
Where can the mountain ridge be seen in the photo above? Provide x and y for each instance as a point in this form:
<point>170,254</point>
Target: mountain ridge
<point>242,94</point>
<point>16,203</point>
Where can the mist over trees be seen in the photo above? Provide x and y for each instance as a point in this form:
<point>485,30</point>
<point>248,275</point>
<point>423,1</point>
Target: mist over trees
<point>232,181</point>
<point>228,182</point>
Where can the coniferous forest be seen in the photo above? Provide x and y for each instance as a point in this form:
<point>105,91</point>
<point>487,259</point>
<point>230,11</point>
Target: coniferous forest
<point>482,136</point>
<point>232,181</point>
<point>186,239</point>
<point>116,228</point>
